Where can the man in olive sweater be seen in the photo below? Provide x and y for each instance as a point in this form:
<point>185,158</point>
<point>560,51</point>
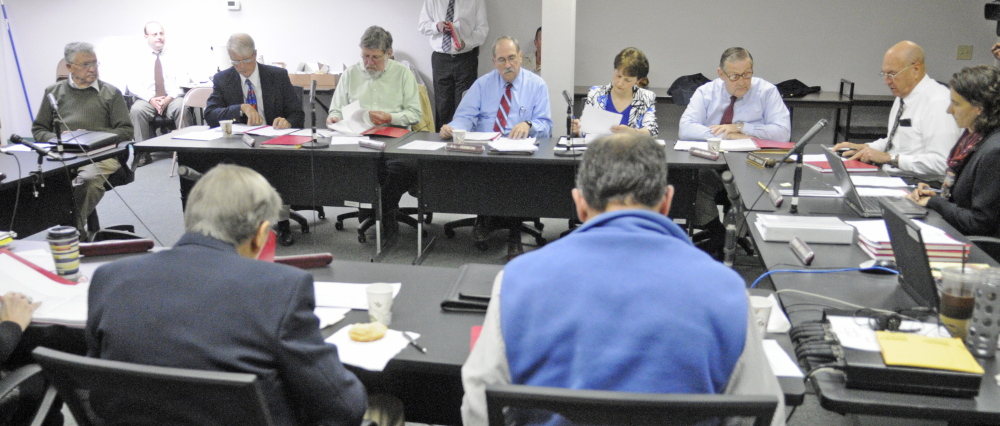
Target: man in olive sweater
<point>85,103</point>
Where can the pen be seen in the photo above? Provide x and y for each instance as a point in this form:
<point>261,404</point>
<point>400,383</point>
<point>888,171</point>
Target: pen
<point>414,342</point>
<point>763,187</point>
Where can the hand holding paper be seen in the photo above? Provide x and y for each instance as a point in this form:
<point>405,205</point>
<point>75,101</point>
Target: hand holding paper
<point>598,121</point>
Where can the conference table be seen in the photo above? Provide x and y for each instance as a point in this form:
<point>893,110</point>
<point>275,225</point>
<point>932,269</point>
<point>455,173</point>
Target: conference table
<point>864,289</point>
<point>32,201</point>
<point>338,175</point>
<point>533,186</point>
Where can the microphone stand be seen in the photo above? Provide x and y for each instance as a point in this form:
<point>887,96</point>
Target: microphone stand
<point>57,126</point>
<point>315,143</point>
<point>570,148</point>
<point>796,182</point>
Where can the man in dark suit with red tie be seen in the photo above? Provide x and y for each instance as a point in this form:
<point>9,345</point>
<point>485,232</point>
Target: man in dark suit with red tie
<point>252,93</point>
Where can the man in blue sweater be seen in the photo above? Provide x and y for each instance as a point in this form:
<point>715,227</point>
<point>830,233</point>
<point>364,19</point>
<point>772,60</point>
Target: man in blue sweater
<point>624,303</point>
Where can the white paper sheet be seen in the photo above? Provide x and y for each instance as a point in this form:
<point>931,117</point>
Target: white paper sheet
<point>345,295</point>
<point>781,364</point>
<point>514,145</point>
<point>24,148</point>
<point>857,333</point>
<point>739,145</point>
<point>61,303</point>
<point>879,181</point>
<point>777,322</point>
<point>271,131</point>
<point>482,136</point>
<point>372,356</point>
<point>325,133</point>
<point>424,145</point>
<point>596,120</point>
<point>686,145</point>
<point>204,135</point>
<point>867,191</point>
<point>355,121</point>
<point>239,129</point>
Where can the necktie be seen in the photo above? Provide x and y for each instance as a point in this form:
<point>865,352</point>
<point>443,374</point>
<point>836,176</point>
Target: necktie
<point>727,116</point>
<point>161,88</point>
<point>501,122</point>
<point>251,96</point>
<point>449,17</point>
<point>895,125</point>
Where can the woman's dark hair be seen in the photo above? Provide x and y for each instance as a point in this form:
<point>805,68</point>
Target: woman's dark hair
<point>633,61</point>
<point>980,85</point>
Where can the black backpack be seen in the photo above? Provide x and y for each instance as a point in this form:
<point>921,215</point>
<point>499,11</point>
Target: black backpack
<point>684,87</point>
<point>795,89</point>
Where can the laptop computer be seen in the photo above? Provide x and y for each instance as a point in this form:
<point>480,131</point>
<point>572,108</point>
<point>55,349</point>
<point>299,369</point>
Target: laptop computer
<point>86,141</point>
<point>911,257</point>
<point>867,206</point>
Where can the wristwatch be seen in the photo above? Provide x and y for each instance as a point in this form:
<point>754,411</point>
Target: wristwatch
<point>739,127</point>
<point>528,122</point>
<point>894,161</point>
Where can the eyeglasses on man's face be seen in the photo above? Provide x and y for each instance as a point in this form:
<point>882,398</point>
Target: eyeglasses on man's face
<point>87,65</point>
<point>892,75</point>
<point>736,77</point>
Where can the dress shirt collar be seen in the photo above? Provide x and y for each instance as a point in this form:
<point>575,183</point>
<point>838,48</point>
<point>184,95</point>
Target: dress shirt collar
<point>516,83</point>
<point>920,90</point>
<point>95,84</point>
<point>195,238</point>
<point>254,78</point>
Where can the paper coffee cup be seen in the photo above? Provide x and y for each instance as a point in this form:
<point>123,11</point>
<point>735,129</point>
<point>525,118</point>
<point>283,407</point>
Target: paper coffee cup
<point>761,308</point>
<point>380,303</point>
<point>714,144</point>
<point>458,135</point>
<point>64,241</point>
<point>227,127</point>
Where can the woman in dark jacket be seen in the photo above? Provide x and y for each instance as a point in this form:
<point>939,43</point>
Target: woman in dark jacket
<point>970,197</point>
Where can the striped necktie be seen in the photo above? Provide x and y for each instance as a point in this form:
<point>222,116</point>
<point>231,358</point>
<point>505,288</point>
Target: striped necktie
<point>501,122</point>
<point>449,17</point>
<point>251,96</point>
<point>899,114</point>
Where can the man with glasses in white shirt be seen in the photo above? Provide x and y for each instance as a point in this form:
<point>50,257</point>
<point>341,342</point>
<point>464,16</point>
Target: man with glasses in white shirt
<point>734,106</point>
<point>920,133</point>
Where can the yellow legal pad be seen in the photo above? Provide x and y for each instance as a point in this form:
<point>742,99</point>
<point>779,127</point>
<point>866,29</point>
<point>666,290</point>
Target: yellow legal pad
<point>912,350</point>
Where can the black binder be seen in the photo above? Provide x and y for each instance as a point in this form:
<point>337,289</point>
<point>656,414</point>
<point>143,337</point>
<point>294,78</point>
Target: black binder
<point>471,290</point>
<point>86,141</point>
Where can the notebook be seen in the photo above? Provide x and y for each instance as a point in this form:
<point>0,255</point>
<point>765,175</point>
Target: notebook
<point>86,141</point>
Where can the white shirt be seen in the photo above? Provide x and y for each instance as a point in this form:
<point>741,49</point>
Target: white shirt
<point>141,82</point>
<point>257,90</point>
<point>470,23</point>
<point>95,84</point>
<point>923,146</point>
<point>487,365</point>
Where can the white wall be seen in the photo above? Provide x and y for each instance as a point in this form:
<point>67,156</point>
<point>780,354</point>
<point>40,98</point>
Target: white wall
<point>817,41</point>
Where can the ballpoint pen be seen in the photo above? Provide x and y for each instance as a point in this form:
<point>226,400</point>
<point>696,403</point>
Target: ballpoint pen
<point>414,342</point>
<point>763,187</point>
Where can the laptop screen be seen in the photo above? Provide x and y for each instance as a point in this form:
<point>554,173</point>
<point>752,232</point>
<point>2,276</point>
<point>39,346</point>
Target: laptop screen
<point>843,178</point>
<point>911,257</point>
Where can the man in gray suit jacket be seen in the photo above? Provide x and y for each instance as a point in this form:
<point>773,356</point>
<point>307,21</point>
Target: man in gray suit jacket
<point>208,304</point>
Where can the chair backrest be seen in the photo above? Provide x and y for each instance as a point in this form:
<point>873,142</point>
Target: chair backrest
<point>62,72</point>
<point>625,408</point>
<point>426,123</point>
<point>100,392</point>
<point>195,98</point>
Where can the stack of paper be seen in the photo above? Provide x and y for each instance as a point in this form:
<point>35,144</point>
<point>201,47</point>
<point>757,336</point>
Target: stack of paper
<point>63,302</point>
<point>729,145</point>
<point>810,229</point>
<point>482,136</point>
<point>513,146</point>
<point>873,238</point>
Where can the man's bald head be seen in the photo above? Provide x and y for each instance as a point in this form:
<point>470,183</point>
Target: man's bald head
<point>903,67</point>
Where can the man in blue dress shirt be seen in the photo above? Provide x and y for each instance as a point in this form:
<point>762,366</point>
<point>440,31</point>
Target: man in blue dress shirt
<point>734,106</point>
<point>527,112</point>
<point>511,101</point>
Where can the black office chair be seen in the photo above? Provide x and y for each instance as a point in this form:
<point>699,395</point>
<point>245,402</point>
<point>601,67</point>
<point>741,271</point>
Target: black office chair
<point>21,394</point>
<point>100,392</point>
<point>536,232</point>
<point>990,245</point>
<point>622,408</point>
<point>405,215</point>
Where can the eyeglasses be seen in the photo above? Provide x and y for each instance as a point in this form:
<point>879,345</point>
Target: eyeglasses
<point>86,65</point>
<point>504,61</point>
<point>892,75</point>
<point>243,61</point>
<point>372,58</point>
<point>736,77</point>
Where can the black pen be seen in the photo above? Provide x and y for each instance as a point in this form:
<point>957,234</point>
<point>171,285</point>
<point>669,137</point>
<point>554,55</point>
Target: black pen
<point>414,342</point>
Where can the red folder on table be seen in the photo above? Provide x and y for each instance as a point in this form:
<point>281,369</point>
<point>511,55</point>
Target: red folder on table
<point>769,144</point>
<point>851,165</point>
<point>286,141</point>
<point>388,131</point>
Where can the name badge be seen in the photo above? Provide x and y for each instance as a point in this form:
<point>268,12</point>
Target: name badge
<point>905,122</point>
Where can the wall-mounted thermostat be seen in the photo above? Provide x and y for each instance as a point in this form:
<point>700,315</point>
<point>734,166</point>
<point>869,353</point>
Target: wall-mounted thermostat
<point>233,4</point>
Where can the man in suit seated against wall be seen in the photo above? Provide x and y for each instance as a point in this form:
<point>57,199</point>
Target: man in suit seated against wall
<point>85,103</point>
<point>624,303</point>
<point>208,304</point>
<point>388,91</point>
<point>920,133</point>
<point>255,94</point>
<point>509,100</point>
<point>736,105</point>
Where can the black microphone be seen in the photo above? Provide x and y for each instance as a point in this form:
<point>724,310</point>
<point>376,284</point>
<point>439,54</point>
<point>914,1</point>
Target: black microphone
<point>568,99</point>
<point>41,151</point>
<point>805,139</point>
<point>188,173</point>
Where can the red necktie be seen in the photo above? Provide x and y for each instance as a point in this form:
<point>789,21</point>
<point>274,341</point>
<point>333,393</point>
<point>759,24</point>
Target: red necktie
<point>501,122</point>
<point>727,116</point>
